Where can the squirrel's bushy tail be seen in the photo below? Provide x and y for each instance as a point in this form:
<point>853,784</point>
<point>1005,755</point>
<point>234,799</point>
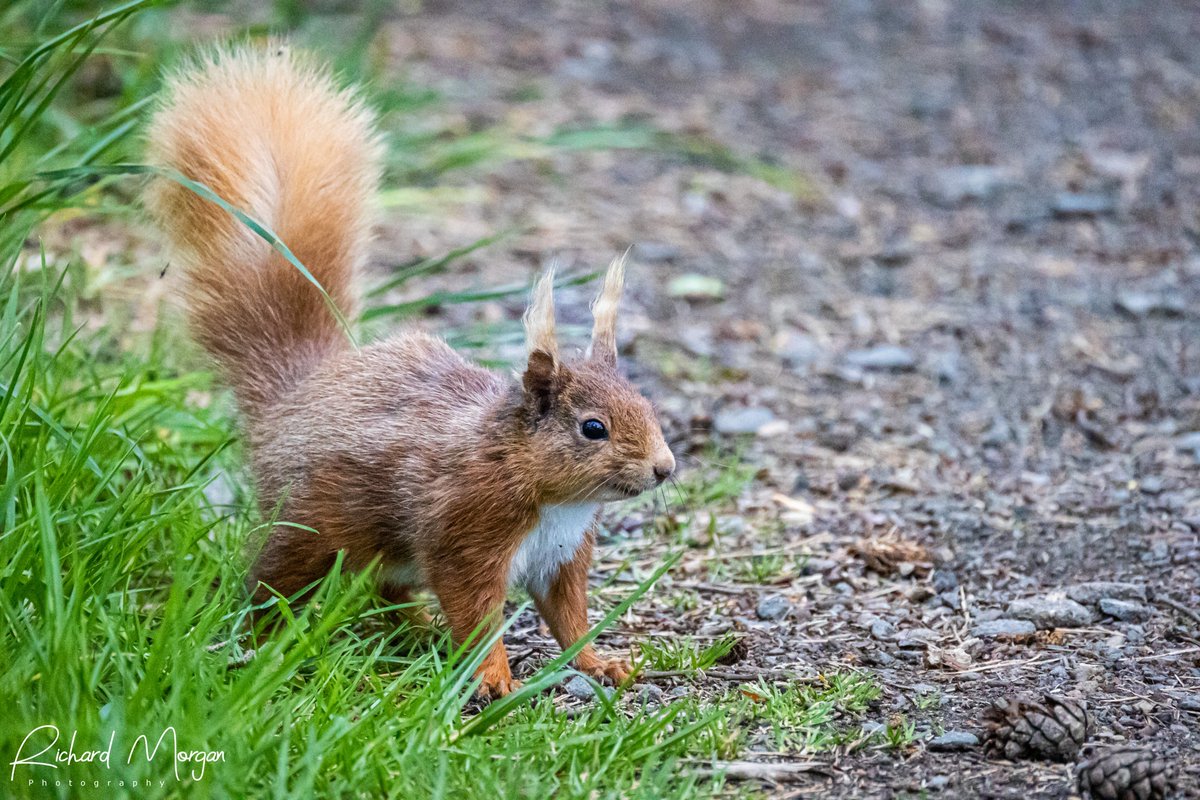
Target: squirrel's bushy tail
<point>275,137</point>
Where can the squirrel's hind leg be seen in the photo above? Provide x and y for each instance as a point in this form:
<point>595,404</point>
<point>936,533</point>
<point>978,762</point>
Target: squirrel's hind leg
<point>402,595</point>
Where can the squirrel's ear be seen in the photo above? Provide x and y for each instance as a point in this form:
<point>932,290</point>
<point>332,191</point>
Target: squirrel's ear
<point>541,381</point>
<point>542,375</point>
<point>604,312</point>
<point>539,319</point>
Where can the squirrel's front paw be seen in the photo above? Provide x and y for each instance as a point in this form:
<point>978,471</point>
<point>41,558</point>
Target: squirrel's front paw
<point>614,670</point>
<point>493,687</point>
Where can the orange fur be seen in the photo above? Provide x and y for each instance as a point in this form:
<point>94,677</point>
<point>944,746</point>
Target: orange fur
<point>402,455</point>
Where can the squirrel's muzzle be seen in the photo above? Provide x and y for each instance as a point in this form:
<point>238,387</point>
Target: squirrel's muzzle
<point>664,467</point>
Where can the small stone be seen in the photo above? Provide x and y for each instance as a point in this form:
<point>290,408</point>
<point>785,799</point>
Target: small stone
<point>655,252</point>
<point>581,688</point>
<point>944,581</point>
<point>883,357</point>
<point>1158,553</point>
<point>1190,702</point>
<point>1028,212</point>
<point>1151,484</point>
<point>917,638</point>
<point>649,694</point>
<point>945,366</point>
<point>697,288</point>
<point>895,253</point>
<point>949,599</point>
<point>1189,441</point>
<point>797,349</point>
<point>1051,612</point>
<point>954,186</point>
<point>1125,610</point>
<point>1147,304</point>
<point>998,434</point>
<point>680,691</point>
<point>740,421</point>
<point>872,727</point>
<point>839,439</point>
<point>953,741</point>
<point>1091,592</point>
<point>1003,629</point>
<point>882,630</point>
<point>937,783</point>
<point>773,606</point>
<point>1080,204</point>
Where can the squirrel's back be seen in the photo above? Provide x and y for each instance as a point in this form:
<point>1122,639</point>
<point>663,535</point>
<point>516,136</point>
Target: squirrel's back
<point>275,137</point>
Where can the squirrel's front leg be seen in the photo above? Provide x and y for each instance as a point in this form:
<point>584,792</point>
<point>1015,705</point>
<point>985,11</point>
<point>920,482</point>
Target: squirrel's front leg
<point>471,593</point>
<point>564,607</point>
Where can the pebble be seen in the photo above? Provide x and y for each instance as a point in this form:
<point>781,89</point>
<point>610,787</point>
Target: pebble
<point>1125,610</point>
<point>1082,204</point>
<point>1190,702</point>
<point>949,599</point>
<point>581,688</point>
<point>797,349</point>
<point>882,630</point>
<point>773,606</point>
<point>655,252</point>
<point>937,783</point>
<point>997,628</point>
<point>1151,484</point>
<point>1158,553</point>
<point>1051,612</point>
<point>944,580</point>
<point>883,357</point>
<point>1189,441</point>
<point>917,637</point>
<point>895,253</point>
<point>954,186</point>
<point>697,288</point>
<point>952,741</point>
<point>1147,304</point>
<point>1091,592</point>
<point>649,694</point>
<point>739,421</point>
<point>946,367</point>
<point>839,439</point>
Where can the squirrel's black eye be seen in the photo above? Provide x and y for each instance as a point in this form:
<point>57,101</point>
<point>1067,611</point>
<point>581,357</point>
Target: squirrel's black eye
<point>593,429</point>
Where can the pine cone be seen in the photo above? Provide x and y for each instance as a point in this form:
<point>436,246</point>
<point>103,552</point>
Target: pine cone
<point>1124,773</point>
<point>1052,730</point>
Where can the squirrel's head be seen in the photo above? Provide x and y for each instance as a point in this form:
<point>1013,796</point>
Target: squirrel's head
<point>596,437</point>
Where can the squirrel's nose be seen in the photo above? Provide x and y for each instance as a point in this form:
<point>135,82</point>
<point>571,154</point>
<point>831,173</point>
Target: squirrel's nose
<point>664,467</point>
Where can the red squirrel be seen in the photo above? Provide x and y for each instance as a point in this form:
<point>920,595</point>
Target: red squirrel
<point>402,454</point>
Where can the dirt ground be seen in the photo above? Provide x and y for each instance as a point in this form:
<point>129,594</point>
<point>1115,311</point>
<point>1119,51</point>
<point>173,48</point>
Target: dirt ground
<point>958,340</point>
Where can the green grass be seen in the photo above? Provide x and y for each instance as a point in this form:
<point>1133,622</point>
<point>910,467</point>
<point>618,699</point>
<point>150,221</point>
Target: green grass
<point>717,478</point>
<point>684,652</point>
<point>125,522</point>
<point>763,568</point>
<point>806,718</point>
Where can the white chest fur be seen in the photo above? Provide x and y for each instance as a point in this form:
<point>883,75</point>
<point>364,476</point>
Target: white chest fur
<point>559,532</point>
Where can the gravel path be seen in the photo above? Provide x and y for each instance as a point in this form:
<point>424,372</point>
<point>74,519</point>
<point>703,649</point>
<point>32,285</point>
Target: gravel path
<point>958,333</point>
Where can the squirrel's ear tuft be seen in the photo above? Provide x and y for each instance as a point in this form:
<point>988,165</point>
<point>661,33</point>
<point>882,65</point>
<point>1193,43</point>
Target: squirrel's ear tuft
<point>604,312</point>
<point>539,319</point>
<point>541,381</point>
